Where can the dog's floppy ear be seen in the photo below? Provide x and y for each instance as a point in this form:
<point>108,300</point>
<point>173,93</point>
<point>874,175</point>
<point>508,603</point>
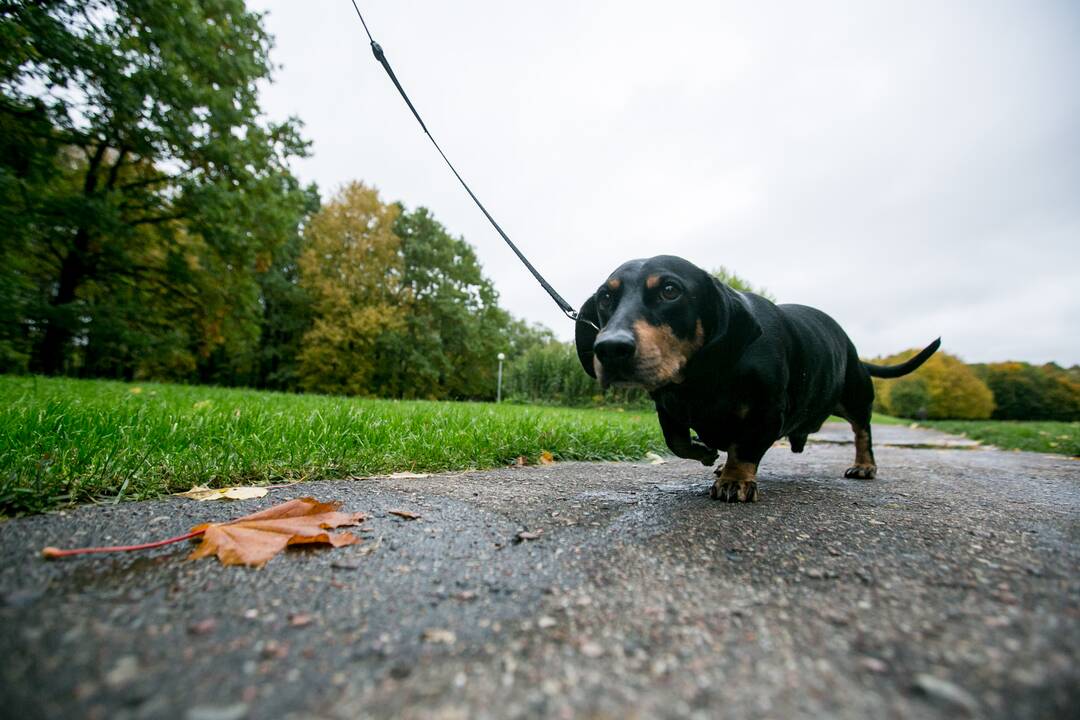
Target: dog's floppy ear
<point>735,327</point>
<point>585,334</point>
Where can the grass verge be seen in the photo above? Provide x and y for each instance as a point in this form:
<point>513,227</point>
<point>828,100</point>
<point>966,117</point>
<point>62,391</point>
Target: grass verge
<point>66,441</point>
<point>1062,438</point>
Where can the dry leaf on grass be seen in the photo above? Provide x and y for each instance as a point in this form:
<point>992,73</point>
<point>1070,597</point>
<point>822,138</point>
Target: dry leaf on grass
<point>546,458</point>
<point>203,493</point>
<point>255,538</point>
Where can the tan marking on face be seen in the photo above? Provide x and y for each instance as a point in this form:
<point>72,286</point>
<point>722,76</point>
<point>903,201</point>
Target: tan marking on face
<point>652,282</point>
<point>661,356</point>
<point>614,283</point>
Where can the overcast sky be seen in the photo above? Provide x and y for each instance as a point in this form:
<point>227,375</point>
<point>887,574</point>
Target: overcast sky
<point>913,168</point>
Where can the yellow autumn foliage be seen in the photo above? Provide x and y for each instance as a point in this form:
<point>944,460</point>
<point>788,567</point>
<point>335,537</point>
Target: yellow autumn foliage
<point>351,268</point>
<point>943,388</point>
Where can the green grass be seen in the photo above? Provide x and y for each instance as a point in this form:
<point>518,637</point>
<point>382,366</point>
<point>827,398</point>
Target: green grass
<point>69,441</point>
<point>1062,438</point>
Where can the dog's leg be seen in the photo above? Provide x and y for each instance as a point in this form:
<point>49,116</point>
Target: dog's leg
<point>737,481</point>
<point>677,437</point>
<point>864,468</point>
<point>856,406</point>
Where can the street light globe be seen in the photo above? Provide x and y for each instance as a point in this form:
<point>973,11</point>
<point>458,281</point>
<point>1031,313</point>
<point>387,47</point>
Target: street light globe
<point>502,356</point>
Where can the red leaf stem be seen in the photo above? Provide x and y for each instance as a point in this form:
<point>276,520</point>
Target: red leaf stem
<point>52,552</point>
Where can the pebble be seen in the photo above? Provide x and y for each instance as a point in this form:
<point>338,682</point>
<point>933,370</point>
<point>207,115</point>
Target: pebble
<point>438,636</point>
<point>591,650</point>
<point>873,664</point>
<point>123,672</point>
<point>236,711</point>
<point>946,692</point>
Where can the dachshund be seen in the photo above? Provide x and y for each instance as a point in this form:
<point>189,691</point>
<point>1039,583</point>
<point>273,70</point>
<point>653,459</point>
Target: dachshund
<point>738,370</point>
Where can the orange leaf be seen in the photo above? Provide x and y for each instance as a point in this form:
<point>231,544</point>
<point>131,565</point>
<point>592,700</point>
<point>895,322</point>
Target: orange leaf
<point>254,539</point>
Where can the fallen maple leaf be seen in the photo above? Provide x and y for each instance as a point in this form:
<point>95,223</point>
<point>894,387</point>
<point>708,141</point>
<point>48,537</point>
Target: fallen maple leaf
<point>546,458</point>
<point>253,539</point>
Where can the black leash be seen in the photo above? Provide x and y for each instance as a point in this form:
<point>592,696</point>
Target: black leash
<point>566,307</point>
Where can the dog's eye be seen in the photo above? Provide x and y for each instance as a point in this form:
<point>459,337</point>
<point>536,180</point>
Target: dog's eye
<point>603,299</point>
<point>670,291</point>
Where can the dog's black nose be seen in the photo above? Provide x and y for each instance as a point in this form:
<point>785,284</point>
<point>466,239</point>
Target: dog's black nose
<point>615,348</point>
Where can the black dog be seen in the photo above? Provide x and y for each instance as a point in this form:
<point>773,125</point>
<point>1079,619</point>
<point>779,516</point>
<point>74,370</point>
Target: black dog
<point>737,369</point>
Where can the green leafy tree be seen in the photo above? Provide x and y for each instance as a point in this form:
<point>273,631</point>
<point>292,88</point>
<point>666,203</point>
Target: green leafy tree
<point>286,317</point>
<point>1029,392</point>
<point>454,326</point>
<point>136,167</point>
<point>733,280</point>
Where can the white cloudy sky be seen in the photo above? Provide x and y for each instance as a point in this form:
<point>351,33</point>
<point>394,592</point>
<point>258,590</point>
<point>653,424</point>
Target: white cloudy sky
<point>911,168</point>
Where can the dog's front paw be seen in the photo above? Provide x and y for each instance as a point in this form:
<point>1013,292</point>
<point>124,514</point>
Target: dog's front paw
<point>731,491</point>
<point>861,472</point>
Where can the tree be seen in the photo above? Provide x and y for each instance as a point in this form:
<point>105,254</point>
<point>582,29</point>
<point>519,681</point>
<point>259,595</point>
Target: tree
<point>454,326</point>
<point>731,279</point>
<point>286,317</point>
<point>351,268</point>
<point>1028,392</point>
<point>943,388</point>
<point>137,159</point>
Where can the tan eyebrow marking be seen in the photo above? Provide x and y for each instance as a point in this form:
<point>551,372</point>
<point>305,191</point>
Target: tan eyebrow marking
<point>652,281</point>
<point>614,283</point>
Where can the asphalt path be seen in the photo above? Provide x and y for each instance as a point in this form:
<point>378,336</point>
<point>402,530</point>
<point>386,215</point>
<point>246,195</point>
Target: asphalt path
<point>948,587</point>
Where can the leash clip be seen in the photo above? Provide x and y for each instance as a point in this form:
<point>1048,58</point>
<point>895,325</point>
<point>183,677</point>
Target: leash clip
<point>578,319</point>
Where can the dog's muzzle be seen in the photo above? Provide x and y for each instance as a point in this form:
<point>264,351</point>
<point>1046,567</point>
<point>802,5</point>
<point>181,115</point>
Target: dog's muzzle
<point>615,350</point>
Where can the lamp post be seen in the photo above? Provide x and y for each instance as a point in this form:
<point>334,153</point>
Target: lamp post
<point>498,390</point>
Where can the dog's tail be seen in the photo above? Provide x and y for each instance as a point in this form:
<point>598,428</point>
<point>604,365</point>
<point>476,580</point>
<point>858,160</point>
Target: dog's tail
<point>895,371</point>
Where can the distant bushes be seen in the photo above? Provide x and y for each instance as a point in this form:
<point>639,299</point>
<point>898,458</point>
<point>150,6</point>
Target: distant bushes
<point>552,374</point>
<point>947,389</point>
<point>1031,392</point>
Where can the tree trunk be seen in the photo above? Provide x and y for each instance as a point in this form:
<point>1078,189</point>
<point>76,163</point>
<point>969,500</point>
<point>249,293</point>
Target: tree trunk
<point>51,354</point>
<point>53,349</point>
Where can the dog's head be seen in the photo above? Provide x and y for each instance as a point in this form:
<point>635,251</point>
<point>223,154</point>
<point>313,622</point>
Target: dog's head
<point>657,319</point>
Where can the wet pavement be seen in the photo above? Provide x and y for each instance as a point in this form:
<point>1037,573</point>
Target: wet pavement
<point>948,587</point>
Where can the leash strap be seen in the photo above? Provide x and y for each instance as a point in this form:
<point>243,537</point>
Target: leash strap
<point>377,50</point>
